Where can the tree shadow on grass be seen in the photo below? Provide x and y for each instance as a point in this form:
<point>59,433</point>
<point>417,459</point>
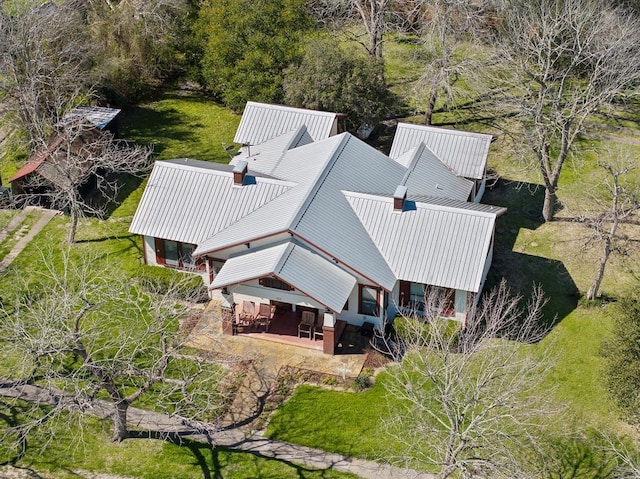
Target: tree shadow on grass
<point>158,127</point>
<point>212,460</point>
<point>522,271</point>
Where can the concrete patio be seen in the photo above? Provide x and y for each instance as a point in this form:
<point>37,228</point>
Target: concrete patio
<point>207,336</point>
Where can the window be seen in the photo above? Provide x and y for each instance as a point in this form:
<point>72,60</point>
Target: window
<point>275,283</point>
<point>171,256</point>
<point>443,299</point>
<point>177,255</point>
<point>368,304</point>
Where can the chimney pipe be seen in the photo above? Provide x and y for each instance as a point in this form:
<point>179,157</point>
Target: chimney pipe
<point>239,172</point>
<point>399,198</point>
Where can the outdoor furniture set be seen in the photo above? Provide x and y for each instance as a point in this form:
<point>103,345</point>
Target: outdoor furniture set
<point>309,326</point>
<point>252,317</point>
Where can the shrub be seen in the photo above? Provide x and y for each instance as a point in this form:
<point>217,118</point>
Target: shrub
<point>361,383</point>
<point>331,80</point>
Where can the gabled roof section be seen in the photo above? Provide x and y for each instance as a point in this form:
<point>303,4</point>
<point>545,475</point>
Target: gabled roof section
<point>429,243</point>
<point>316,211</point>
<point>464,152</point>
<point>98,116</point>
<point>306,271</point>
<point>304,166</point>
<point>265,157</point>
<point>427,175</point>
<point>326,219</point>
<point>181,196</point>
<point>261,122</point>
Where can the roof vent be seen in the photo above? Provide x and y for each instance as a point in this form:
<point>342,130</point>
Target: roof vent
<point>239,172</point>
<point>399,198</point>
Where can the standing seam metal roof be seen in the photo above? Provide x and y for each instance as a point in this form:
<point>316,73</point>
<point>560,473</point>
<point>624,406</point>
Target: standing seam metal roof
<point>465,152</point>
<point>306,271</point>
<point>178,201</point>
<point>261,122</point>
<point>266,156</point>
<point>427,175</point>
<point>430,244</point>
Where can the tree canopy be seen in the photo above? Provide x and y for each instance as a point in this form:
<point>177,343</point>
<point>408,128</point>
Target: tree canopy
<point>247,45</point>
<point>330,79</point>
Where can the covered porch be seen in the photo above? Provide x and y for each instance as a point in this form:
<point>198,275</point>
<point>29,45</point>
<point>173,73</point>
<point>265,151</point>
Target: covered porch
<point>286,323</point>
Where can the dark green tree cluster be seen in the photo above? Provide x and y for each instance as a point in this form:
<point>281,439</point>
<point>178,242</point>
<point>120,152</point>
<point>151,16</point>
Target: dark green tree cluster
<point>330,79</point>
<point>622,353</point>
<point>247,45</point>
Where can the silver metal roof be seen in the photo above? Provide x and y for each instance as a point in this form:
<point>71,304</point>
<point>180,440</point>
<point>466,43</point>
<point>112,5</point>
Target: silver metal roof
<point>266,156</point>
<point>261,122</point>
<point>303,165</point>
<point>187,203</point>
<point>426,243</point>
<point>327,221</point>
<point>306,271</point>
<point>427,175</point>
<point>464,152</point>
<point>96,115</point>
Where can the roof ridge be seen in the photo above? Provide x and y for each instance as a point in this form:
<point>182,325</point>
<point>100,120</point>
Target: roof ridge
<point>320,179</point>
<point>289,108</point>
<point>435,205</point>
<point>450,131</point>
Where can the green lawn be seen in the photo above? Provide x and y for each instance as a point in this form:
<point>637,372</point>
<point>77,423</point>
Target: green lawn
<point>188,126</point>
<point>343,422</point>
<point>177,126</point>
<point>86,446</point>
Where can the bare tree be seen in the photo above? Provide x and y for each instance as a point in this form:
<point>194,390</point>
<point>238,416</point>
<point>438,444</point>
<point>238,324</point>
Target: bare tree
<point>564,60</point>
<point>44,63</point>
<point>81,155</point>
<point>469,398</point>
<point>82,328</point>
<point>371,13</point>
<point>447,32</point>
<point>624,202</point>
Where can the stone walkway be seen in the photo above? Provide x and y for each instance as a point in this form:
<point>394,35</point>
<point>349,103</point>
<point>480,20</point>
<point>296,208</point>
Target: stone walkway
<point>44,219</point>
<point>232,439</point>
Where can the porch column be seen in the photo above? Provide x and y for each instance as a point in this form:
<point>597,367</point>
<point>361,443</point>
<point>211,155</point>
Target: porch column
<point>329,340</point>
<point>228,318</point>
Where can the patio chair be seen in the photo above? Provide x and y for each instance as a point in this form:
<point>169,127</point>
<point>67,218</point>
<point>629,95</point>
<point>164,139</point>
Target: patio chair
<point>306,324</point>
<point>317,329</point>
<point>265,315</point>
<point>247,313</point>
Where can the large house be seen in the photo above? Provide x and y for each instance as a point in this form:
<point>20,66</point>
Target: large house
<point>319,224</point>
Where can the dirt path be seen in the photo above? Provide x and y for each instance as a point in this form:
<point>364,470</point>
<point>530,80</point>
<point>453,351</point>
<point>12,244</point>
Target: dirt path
<point>232,439</point>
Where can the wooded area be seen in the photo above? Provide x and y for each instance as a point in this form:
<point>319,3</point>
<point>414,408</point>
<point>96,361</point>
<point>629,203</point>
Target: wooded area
<point>542,77</point>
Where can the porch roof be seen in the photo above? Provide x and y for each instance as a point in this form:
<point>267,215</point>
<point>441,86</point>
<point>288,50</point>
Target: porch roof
<point>306,271</point>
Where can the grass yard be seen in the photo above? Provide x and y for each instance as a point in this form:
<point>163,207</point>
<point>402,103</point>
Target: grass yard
<point>182,125</point>
<point>86,446</point>
<point>527,252</point>
<point>344,422</point>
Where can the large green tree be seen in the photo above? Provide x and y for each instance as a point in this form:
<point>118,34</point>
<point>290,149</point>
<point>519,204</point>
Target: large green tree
<point>330,79</point>
<point>247,44</point>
